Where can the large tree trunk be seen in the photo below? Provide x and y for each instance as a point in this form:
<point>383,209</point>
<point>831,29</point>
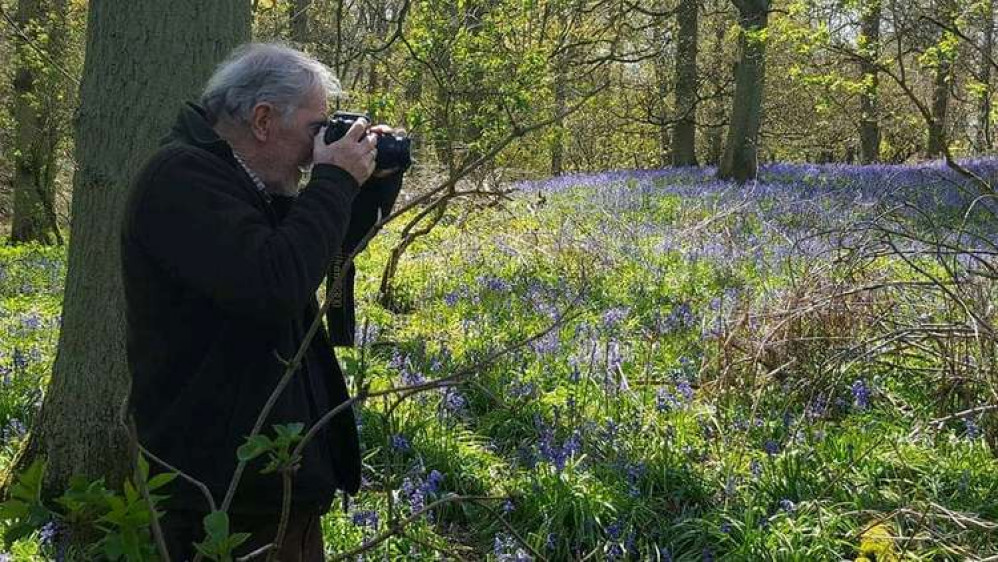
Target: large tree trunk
<point>740,160</point>
<point>937,141</point>
<point>869,124</point>
<point>143,58</point>
<point>38,129</point>
<point>984,138</point>
<point>684,151</point>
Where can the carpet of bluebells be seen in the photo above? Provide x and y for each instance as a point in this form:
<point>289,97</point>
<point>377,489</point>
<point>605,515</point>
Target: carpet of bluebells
<point>695,371</point>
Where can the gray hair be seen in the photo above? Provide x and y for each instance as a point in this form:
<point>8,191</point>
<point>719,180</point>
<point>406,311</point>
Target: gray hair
<point>264,73</point>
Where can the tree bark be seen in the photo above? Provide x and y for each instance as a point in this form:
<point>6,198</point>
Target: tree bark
<point>36,112</point>
<point>984,138</point>
<point>717,105</point>
<point>298,14</point>
<point>560,101</point>
<point>740,160</point>
<point>869,124</point>
<point>684,136</point>
<point>130,93</point>
<point>937,141</point>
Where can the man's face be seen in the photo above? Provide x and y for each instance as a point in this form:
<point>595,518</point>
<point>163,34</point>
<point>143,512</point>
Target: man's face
<point>293,140</point>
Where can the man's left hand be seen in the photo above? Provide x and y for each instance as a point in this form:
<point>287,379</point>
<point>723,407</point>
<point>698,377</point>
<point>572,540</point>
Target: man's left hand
<point>386,130</point>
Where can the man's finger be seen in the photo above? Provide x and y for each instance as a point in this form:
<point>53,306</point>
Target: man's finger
<point>357,130</point>
<point>320,137</point>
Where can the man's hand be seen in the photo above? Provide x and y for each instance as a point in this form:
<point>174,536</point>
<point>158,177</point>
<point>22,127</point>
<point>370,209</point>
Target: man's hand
<point>355,152</point>
<point>386,130</point>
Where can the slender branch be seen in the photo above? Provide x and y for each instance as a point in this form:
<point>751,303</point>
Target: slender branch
<point>197,483</point>
<point>282,526</point>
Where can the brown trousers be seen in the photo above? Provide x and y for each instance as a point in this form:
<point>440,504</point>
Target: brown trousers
<point>302,540</point>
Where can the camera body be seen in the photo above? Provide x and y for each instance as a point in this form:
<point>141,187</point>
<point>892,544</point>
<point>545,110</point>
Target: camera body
<point>394,151</point>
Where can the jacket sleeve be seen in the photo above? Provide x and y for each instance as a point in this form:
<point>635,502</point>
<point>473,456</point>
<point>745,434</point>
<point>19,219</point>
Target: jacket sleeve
<point>378,195</point>
<point>198,224</point>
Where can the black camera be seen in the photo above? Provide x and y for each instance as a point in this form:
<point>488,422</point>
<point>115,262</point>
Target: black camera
<point>393,150</point>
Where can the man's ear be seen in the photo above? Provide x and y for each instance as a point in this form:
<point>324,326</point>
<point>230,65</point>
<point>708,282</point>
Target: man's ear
<point>262,122</point>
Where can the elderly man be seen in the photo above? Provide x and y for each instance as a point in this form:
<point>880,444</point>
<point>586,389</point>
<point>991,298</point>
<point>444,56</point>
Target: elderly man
<point>222,256</point>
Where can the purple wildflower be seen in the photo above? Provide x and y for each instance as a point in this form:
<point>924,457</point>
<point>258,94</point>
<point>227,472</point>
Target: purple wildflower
<point>860,394</point>
<point>971,429</point>
<point>771,447</point>
<point>400,443</point>
<point>365,518</point>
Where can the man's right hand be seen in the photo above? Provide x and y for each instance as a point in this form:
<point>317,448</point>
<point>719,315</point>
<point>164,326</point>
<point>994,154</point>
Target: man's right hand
<point>355,152</point>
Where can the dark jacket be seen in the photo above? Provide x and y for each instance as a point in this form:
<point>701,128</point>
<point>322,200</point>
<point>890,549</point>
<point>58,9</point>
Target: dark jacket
<point>219,281</point>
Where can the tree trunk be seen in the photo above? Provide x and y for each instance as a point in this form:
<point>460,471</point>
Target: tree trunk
<point>37,117</point>
<point>869,124</point>
<point>130,93</point>
<point>717,106</point>
<point>984,134</point>
<point>298,14</point>
<point>740,160</point>
<point>684,136</point>
<point>937,141</point>
<point>560,100</point>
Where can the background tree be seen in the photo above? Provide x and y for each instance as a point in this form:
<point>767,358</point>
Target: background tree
<point>38,90</point>
<point>942,59</point>
<point>78,429</point>
<point>687,41</point>
<point>869,44</point>
<point>740,160</point>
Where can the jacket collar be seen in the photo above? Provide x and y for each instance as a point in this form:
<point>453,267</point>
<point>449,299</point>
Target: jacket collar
<point>192,127</point>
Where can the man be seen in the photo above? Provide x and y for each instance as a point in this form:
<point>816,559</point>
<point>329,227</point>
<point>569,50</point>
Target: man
<point>222,256</point>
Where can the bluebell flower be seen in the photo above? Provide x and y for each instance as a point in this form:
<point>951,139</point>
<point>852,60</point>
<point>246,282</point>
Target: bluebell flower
<point>433,482</point>
<point>860,394</point>
<point>971,429</point>
<point>365,518</point>
<point>614,531</point>
<point>454,402</point>
<point>20,359</point>
<point>49,533</point>
<point>31,321</point>
<point>771,447</point>
<point>685,391</point>
<point>665,401</point>
<point>400,443</point>
<point>613,317</point>
<point>508,507</point>
<point>451,298</point>
<point>547,344</point>
<point>787,505</point>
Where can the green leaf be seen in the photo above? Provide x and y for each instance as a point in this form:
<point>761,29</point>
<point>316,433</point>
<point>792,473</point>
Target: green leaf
<point>253,447</point>
<point>161,480</point>
<point>216,525</point>
<point>289,431</point>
